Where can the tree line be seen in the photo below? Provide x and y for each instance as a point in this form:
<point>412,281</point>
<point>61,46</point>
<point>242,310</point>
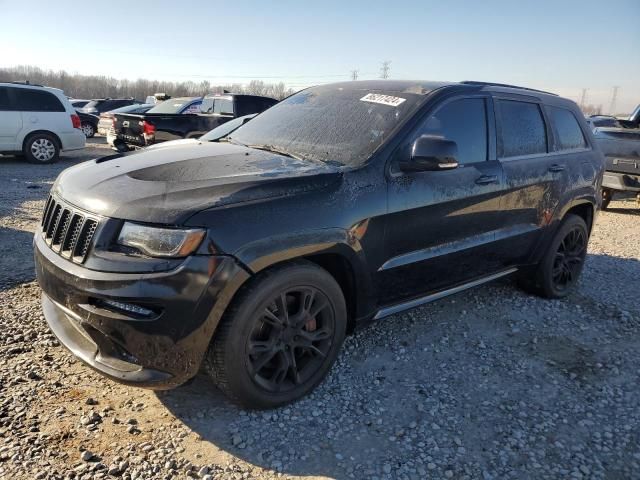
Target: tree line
<point>98,86</point>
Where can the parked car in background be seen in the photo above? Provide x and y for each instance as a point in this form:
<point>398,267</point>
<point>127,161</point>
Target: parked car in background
<point>105,122</point>
<point>77,104</point>
<point>184,118</point>
<point>88,123</point>
<point>347,202</point>
<point>37,122</point>
<point>99,105</point>
<point>218,134</point>
<point>619,139</point>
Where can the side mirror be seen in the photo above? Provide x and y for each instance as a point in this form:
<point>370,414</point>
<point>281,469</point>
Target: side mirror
<point>431,153</point>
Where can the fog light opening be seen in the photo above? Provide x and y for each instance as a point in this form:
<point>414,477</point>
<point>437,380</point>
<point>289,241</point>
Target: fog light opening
<point>130,308</point>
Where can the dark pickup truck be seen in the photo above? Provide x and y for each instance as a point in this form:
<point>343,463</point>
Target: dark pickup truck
<point>184,118</point>
<point>619,139</point>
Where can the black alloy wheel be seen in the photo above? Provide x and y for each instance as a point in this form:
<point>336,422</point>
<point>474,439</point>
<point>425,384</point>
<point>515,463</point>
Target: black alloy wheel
<point>569,259</point>
<point>279,337</point>
<point>558,272</point>
<point>291,339</point>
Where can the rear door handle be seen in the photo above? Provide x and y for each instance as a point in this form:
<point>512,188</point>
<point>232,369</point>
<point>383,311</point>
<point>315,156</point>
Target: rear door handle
<point>556,168</point>
<point>487,179</point>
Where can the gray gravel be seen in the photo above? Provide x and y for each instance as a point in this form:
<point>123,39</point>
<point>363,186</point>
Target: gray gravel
<point>489,384</point>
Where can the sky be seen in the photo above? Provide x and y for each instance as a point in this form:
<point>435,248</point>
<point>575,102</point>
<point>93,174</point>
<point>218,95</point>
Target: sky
<point>563,46</point>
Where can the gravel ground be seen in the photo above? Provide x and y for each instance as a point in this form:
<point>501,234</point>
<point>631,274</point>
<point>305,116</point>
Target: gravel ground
<point>490,384</point>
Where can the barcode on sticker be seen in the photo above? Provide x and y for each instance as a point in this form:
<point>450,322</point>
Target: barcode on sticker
<point>382,99</point>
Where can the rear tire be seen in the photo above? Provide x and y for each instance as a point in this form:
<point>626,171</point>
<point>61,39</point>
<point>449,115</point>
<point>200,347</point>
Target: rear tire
<point>88,130</point>
<point>280,337</point>
<point>557,274</point>
<point>41,148</point>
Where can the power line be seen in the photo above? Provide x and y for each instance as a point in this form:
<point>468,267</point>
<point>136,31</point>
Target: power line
<point>354,74</point>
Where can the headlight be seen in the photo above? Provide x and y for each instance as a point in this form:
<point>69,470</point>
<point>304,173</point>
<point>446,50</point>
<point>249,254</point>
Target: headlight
<point>160,242</point>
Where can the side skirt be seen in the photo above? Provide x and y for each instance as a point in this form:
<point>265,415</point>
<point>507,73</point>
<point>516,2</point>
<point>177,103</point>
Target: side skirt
<point>416,302</point>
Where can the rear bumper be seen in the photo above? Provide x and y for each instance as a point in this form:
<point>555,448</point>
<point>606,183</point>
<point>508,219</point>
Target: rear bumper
<point>621,181</point>
<point>158,352</point>
<point>72,140</point>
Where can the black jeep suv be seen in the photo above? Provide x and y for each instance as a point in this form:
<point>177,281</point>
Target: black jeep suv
<point>253,256</point>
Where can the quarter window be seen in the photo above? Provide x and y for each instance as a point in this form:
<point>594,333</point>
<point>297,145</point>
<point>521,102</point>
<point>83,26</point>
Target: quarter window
<point>463,121</point>
<point>28,100</point>
<point>522,128</point>
<point>570,136</point>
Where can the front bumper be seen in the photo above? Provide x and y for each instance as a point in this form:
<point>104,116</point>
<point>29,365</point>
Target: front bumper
<point>158,352</point>
<point>621,181</point>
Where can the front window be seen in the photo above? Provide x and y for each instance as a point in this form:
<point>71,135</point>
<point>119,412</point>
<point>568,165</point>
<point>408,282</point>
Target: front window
<point>331,123</point>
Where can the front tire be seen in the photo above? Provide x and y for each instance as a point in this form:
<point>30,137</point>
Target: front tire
<point>557,274</point>
<point>280,337</point>
<point>41,148</point>
<point>88,130</point>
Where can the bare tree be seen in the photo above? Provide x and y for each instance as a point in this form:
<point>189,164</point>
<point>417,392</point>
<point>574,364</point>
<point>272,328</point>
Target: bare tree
<point>99,86</point>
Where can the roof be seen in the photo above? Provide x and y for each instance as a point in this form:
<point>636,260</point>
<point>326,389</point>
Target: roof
<point>426,86</point>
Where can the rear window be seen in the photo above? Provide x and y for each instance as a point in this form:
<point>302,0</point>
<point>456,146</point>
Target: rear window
<point>218,105</point>
<point>173,105</point>
<point>569,133</point>
<point>28,100</point>
<point>522,128</point>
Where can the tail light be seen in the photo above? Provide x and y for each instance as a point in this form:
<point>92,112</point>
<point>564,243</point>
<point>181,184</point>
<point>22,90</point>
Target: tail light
<point>148,128</point>
<point>75,121</point>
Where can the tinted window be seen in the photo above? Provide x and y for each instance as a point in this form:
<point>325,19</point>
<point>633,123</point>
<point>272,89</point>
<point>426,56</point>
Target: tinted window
<point>4,99</point>
<point>465,122</point>
<point>569,132</point>
<point>28,100</point>
<point>523,130</point>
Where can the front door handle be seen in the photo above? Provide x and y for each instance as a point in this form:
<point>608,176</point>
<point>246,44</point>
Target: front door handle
<point>487,179</point>
<point>556,168</point>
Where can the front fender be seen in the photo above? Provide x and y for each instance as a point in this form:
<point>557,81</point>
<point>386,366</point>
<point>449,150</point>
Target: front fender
<point>264,253</point>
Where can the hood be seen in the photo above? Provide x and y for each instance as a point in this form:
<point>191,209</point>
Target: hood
<point>168,185</point>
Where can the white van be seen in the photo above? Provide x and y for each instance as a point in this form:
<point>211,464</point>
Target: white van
<point>37,122</point>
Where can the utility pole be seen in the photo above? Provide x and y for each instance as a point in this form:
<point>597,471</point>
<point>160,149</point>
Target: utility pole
<point>354,74</point>
<point>614,97</point>
<point>385,69</point>
<point>583,99</point>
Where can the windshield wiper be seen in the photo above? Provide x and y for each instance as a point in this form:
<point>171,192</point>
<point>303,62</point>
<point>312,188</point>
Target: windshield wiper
<point>273,149</point>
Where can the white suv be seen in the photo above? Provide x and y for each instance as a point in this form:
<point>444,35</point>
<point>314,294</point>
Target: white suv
<point>38,122</point>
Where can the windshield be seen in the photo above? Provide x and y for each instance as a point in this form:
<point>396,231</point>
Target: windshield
<point>92,104</point>
<point>132,108</point>
<point>332,123</point>
<point>173,105</point>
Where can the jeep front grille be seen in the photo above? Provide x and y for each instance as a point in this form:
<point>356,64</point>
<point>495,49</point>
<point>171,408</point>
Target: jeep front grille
<point>67,231</point>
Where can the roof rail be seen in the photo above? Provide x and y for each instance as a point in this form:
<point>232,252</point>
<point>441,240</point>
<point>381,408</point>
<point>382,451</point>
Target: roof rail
<point>26,82</point>
<point>492,84</point>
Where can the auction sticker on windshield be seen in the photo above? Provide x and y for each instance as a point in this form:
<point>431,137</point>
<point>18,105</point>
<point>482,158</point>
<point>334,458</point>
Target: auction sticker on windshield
<point>382,99</point>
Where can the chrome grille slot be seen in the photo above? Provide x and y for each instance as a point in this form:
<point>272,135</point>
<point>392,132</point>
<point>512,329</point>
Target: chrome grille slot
<point>67,231</point>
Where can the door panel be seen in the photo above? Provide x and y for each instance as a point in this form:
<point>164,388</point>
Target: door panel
<point>10,121</point>
<point>441,225</point>
<point>534,176</point>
